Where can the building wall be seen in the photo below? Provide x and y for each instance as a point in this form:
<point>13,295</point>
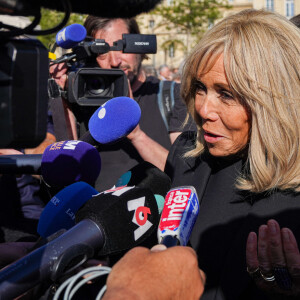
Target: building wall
<point>163,35</point>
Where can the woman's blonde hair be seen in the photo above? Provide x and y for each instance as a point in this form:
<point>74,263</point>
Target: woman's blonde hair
<point>262,64</point>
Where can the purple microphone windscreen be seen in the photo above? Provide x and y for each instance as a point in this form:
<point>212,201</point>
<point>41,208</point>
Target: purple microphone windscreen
<point>114,119</point>
<point>66,162</point>
<point>59,213</point>
<point>70,36</point>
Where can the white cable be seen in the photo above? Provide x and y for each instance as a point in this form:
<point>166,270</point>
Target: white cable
<point>91,276</point>
<point>101,293</point>
<point>92,273</point>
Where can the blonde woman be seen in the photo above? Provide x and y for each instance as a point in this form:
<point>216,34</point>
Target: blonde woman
<point>241,84</point>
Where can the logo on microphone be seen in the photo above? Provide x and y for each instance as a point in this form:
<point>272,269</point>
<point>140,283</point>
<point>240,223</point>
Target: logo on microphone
<point>61,35</point>
<point>140,216</point>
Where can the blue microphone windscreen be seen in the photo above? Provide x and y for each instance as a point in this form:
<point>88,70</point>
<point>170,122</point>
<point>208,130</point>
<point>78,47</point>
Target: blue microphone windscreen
<point>59,213</point>
<point>66,162</point>
<point>115,119</point>
<point>70,36</point>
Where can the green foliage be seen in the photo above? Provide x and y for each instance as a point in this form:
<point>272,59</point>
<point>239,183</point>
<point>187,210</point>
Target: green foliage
<point>51,18</point>
<point>190,17</point>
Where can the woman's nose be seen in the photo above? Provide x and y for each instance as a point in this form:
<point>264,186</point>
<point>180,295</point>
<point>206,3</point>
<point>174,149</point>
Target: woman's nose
<point>206,107</point>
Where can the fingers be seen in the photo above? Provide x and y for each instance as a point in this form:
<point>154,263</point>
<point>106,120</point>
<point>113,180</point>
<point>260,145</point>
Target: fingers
<point>158,248</point>
<point>273,259</point>
<point>292,255</point>
<point>9,152</point>
<point>251,252</point>
<point>265,264</point>
<point>58,72</point>
<point>277,257</point>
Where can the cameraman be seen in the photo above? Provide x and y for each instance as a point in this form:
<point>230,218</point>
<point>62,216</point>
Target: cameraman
<point>150,140</point>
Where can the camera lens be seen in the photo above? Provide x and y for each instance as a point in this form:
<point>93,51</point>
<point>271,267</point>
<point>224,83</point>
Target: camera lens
<point>96,85</point>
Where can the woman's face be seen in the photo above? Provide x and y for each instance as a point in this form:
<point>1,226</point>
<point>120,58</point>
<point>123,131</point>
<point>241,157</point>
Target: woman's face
<point>225,121</point>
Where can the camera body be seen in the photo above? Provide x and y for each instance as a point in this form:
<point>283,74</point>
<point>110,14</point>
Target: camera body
<point>23,92</point>
<point>92,86</point>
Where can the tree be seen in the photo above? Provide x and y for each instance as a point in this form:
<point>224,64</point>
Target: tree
<point>189,17</point>
<point>51,18</point>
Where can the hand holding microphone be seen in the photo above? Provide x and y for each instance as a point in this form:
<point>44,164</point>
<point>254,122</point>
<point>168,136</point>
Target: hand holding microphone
<point>162,273</point>
<point>110,222</point>
<point>113,120</point>
<point>156,274</point>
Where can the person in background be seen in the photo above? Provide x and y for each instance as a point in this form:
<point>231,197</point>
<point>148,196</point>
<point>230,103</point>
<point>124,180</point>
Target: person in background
<point>241,84</point>
<point>164,72</point>
<point>150,140</point>
<point>149,71</point>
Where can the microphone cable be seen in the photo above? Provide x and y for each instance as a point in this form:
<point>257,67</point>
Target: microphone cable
<point>73,284</point>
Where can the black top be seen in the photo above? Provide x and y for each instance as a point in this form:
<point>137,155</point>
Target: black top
<point>226,217</point>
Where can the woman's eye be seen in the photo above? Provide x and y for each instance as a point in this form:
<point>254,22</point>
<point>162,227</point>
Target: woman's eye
<point>199,87</point>
<point>226,95</point>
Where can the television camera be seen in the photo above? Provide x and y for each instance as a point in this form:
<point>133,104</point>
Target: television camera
<point>89,85</point>
<point>24,64</point>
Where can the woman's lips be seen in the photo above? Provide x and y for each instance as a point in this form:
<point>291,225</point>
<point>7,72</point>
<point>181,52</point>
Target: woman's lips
<point>211,137</point>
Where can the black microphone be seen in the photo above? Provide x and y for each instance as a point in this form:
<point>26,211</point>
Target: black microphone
<point>109,223</point>
<point>146,175</point>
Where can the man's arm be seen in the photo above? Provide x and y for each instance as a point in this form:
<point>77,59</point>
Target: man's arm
<point>159,273</point>
<point>148,149</point>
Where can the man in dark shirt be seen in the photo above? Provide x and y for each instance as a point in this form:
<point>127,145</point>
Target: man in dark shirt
<point>150,140</point>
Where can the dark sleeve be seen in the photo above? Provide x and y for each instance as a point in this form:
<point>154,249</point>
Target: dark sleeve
<point>179,113</point>
<point>50,125</point>
<point>175,161</point>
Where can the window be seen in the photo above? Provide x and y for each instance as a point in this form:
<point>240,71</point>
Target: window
<point>270,5</point>
<point>151,24</point>
<point>289,8</point>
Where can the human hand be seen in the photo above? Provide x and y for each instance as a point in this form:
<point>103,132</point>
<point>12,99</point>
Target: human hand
<point>273,260</point>
<point>158,273</point>
<point>59,73</point>
<point>10,152</point>
<point>135,134</point>
<point>11,251</point>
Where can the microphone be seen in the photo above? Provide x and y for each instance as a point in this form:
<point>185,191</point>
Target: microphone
<point>113,120</point>
<point>61,164</point>
<point>178,216</point>
<point>70,36</point>
<point>146,175</point>
<point>59,213</point>
<point>110,222</point>
<point>105,9</point>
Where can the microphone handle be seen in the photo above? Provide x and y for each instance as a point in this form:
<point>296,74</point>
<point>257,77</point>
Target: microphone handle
<point>87,137</point>
<point>58,257</point>
<point>170,241</point>
<point>21,164</point>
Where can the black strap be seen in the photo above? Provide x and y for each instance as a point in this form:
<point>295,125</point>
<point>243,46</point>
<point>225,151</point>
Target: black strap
<point>59,120</point>
<point>166,100</point>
